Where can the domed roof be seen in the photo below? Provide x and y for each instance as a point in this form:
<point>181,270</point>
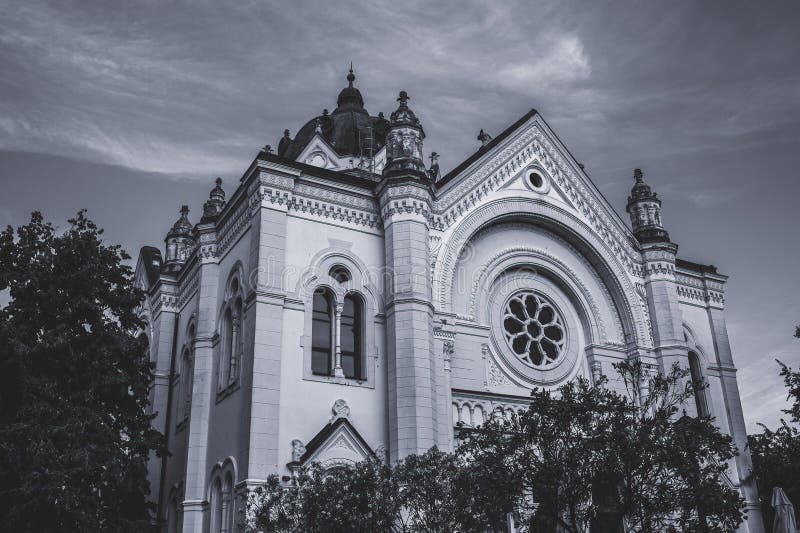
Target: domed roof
<point>349,129</point>
<point>640,190</point>
<point>182,226</point>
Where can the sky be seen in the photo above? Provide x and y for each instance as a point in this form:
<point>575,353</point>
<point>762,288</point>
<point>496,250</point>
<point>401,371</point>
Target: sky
<point>130,109</point>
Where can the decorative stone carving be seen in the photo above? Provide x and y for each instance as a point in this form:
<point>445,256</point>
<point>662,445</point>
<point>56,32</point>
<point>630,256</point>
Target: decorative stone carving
<point>495,376</point>
<point>340,409</point>
<point>298,450</point>
<point>448,348</point>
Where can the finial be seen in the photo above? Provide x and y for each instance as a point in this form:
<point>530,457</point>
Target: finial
<point>403,99</point>
<point>268,149</point>
<point>637,175</point>
<point>324,112</point>
<point>218,181</point>
<point>484,137</point>
<point>184,210</point>
<point>286,133</point>
<point>350,76</point>
<point>434,158</point>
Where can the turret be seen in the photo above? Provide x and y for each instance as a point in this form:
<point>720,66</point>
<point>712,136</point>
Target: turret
<point>644,207</point>
<point>180,242</point>
<point>215,202</point>
<point>404,143</point>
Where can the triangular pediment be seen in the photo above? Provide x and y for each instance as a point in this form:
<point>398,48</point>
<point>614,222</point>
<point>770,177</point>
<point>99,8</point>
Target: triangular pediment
<point>319,153</point>
<point>336,444</point>
<point>502,169</point>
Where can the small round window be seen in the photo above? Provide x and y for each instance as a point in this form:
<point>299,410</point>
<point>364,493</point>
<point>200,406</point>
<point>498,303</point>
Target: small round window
<point>533,329</point>
<point>535,179</point>
<point>340,274</point>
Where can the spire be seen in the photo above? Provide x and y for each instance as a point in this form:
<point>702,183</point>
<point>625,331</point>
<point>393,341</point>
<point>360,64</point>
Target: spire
<point>179,241</point>
<point>404,142</point>
<point>350,98</point>
<point>644,208</point>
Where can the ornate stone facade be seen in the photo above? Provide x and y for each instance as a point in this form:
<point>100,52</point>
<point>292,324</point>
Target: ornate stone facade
<point>362,309</point>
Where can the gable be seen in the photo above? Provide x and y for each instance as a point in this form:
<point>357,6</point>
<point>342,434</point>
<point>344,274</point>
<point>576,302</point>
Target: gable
<point>499,168</point>
<point>319,153</point>
<point>337,443</point>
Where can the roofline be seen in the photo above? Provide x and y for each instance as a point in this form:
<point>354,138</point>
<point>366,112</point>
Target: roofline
<point>483,149</point>
<point>698,268</point>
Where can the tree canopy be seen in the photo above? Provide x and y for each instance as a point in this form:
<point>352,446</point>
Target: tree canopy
<point>578,459</point>
<point>75,371</point>
<point>776,453</point>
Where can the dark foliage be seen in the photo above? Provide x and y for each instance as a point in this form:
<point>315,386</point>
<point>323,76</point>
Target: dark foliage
<point>583,456</point>
<point>74,433</point>
<point>776,453</point>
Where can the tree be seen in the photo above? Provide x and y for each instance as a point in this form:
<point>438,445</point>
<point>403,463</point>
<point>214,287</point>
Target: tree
<point>74,433</point>
<point>584,456</point>
<point>776,454</point>
<point>358,498</point>
<point>431,492</point>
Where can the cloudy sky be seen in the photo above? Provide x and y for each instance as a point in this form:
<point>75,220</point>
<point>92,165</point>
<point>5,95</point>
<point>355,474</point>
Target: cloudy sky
<point>132,108</point>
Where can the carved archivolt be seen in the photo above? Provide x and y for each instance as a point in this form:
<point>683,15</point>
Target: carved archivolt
<point>534,146</point>
<point>628,301</point>
<point>536,255</point>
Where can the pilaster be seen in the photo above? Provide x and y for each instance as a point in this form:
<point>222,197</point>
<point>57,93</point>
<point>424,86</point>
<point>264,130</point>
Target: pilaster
<point>268,256</point>
<point>197,469</point>
<point>162,352</point>
<point>733,410</point>
<point>662,298</point>
<point>413,409</point>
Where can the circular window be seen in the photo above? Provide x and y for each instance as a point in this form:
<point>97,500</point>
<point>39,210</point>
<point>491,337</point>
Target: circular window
<point>536,180</point>
<point>340,274</point>
<point>533,329</point>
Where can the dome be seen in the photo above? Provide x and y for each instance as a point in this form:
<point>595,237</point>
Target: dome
<point>640,190</point>
<point>349,129</point>
<point>182,226</point>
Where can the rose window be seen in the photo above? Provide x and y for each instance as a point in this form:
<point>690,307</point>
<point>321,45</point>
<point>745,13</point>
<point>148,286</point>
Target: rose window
<point>533,329</point>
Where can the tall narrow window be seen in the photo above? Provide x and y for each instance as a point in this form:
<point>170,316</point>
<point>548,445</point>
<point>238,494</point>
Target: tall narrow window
<point>227,505</point>
<point>216,506</point>
<point>351,337</point>
<point>187,378</point>
<point>225,351</point>
<point>235,342</point>
<point>698,385</point>
<point>321,334</point>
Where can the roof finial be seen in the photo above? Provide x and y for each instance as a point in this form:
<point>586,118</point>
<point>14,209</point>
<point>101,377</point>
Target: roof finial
<point>184,210</point>
<point>484,137</point>
<point>637,175</point>
<point>350,76</point>
<point>403,99</point>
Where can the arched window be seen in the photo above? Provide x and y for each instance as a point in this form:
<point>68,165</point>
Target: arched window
<point>226,350</point>
<point>351,337</point>
<point>216,506</point>
<point>322,333</point>
<point>234,342</point>
<point>227,505</point>
<point>698,385</point>
<point>172,514</point>
<point>186,378</point>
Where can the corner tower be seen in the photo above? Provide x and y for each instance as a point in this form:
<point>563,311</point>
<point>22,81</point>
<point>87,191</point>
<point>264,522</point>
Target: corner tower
<point>658,253</point>
<point>405,200</point>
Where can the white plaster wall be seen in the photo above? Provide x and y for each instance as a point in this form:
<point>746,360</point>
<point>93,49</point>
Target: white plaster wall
<point>697,319</point>
<point>305,406</point>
